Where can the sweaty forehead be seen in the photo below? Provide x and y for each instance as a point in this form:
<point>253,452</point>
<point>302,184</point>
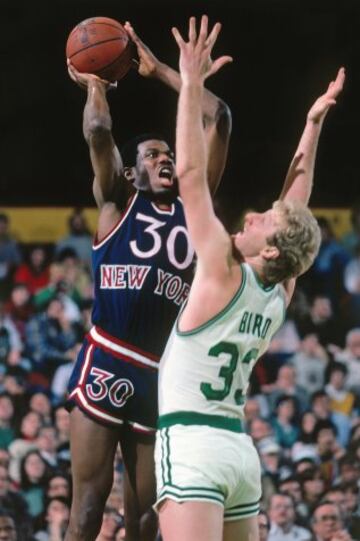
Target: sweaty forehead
<point>153,143</point>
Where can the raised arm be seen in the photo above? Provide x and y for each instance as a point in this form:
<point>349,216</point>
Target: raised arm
<point>206,231</point>
<point>299,179</point>
<point>105,158</point>
<point>216,115</point>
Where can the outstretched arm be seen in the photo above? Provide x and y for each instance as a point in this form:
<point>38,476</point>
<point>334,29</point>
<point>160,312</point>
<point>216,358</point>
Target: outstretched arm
<point>299,179</point>
<point>216,115</point>
<point>97,124</point>
<point>207,234</point>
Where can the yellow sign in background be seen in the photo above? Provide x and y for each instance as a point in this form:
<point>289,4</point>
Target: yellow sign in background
<point>49,224</point>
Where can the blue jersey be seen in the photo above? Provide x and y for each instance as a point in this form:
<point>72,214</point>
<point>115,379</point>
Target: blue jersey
<point>142,273</point>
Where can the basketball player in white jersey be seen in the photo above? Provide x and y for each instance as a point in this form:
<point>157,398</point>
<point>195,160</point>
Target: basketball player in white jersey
<point>208,473</point>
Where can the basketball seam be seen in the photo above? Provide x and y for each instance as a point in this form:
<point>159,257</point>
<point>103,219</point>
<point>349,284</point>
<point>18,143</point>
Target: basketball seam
<point>110,64</point>
<point>120,27</point>
<point>96,44</point>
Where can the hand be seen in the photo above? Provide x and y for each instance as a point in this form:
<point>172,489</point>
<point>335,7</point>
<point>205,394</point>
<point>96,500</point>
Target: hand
<point>318,111</point>
<point>341,535</point>
<point>84,80</point>
<point>195,62</point>
<point>148,64</point>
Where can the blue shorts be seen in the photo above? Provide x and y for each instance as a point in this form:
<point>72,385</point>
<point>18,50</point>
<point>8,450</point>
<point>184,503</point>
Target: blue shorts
<point>111,384</point>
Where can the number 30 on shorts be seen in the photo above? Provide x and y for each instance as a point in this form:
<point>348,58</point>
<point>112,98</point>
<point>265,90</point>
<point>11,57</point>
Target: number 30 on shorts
<point>103,386</point>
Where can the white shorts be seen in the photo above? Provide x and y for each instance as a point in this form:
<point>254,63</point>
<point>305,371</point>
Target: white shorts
<point>209,464</point>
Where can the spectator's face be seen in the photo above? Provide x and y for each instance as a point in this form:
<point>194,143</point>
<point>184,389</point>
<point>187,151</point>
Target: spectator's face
<point>4,458</point>
<point>110,525</point>
<point>37,257</point>
<point>58,512</point>
<point>313,487</point>
<point>62,420</point>
<point>47,439</point>
<point>260,429</point>
<point>327,521</point>
<point>281,510</point>
<point>20,296</point>
<point>321,308</point>
<point>353,345</point>
<point>7,529</point>
<point>338,499</point>
<point>58,486</point>
<point>4,481</point>
<point>303,466</point>
<point>350,472</point>
<point>351,501</point>
<point>293,488</point>
<point>41,404</point>
<point>252,409</point>
<point>30,425</point>
<point>263,527</point>
<point>321,407</point>
<point>326,440</point>
<point>270,461</point>
<point>337,379</point>
<point>6,409</point>
<point>286,409</point>
<point>55,309</point>
<point>308,422</point>
<point>34,467</point>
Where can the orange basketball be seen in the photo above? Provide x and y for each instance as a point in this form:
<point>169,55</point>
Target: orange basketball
<point>100,46</point>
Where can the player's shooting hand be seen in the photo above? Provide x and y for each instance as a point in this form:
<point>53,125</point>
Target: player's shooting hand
<point>84,80</point>
<point>195,61</point>
<point>148,64</point>
<point>322,105</point>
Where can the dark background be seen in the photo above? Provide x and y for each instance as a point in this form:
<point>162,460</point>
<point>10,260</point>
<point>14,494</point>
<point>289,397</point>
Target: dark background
<point>285,53</point>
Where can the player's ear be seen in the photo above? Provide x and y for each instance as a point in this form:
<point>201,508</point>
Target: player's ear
<point>129,174</point>
<point>270,252</point>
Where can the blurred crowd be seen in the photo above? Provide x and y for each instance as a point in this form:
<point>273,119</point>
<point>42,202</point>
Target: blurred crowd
<point>303,409</point>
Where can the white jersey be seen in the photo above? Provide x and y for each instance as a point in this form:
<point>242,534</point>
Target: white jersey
<point>206,371</point>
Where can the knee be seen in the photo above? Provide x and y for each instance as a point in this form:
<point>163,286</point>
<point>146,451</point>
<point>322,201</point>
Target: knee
<point>86,517</point>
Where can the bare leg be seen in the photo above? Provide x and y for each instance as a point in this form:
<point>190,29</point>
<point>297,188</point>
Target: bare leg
<point>246,529</point>
<point>139,486</point>
<point>93,449</point>
<point>193,521</point>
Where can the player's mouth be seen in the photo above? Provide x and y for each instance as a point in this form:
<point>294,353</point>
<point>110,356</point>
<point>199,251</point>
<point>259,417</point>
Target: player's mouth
<point>166,173</point>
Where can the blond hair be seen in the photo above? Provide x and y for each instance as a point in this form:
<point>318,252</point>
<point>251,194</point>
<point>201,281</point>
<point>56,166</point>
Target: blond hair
<point>298,242</point>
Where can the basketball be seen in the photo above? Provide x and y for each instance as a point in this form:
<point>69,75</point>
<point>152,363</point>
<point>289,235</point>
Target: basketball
<point>100,46</point>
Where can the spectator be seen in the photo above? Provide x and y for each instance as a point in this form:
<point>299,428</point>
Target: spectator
<point>10,257</point>
<point>50,336</point>
<point>282,517</point>
<point>264,526</point>
<point>14,503</point>
<point>62,375</point>
<point>19,308</point>
<point>341,400</point>
<point>59,485</point>
<point>327,524</point>
<point>40,403</point>
<point>112,522</point>
<point>32,482</point>
<point>351,239</point>
<point>56,519</point>
<point>351,358</point>
<point>321,321</point>
<point>320,405</point>
<point>291,485</point>
<point>79,239</point>
<point>286,384</point>
<point>312,486</point>
<point>310,363</point>
<point>7,433</point>
<point>328,450</point>
<point>47,445</point>
<point>305,444</point>
<point>284,423</point>
<point>326,274</point>
<point>29,430</point>
<point>8,529</point>
<point>34,273</point>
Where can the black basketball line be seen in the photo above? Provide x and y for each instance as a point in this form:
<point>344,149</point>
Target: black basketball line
<point>96,44</point>
<point>111,63</point>
<point>80,25</point>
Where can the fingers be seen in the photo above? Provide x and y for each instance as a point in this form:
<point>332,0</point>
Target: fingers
<point>192,30</point>
<point>213,35</point>
<point>203,29</point>
<point>133,35</point>
<point>219,63</point>
<point>178,38</point>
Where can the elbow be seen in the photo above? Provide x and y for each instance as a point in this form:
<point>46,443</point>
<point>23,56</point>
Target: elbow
<point>97,131</point>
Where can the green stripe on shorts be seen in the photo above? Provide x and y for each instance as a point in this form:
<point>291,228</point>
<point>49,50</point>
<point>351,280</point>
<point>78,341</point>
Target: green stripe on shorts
<point>195,418</point>
<point>192,493</point>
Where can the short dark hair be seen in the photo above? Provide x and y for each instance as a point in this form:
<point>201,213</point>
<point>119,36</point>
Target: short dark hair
<point>321,504</point>
<point>129,150</point>
<point>324,424</point>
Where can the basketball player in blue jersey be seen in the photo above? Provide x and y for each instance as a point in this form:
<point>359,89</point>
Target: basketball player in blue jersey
<point>208,472</point>
<point>142,262</point>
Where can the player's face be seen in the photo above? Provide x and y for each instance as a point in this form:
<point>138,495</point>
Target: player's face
<point>155,168</point>
<point>258,227</point>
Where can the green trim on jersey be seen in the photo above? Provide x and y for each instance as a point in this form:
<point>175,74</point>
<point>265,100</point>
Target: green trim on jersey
<point>194,418</point>
<point>260,283</point>
<point>220,314</point>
